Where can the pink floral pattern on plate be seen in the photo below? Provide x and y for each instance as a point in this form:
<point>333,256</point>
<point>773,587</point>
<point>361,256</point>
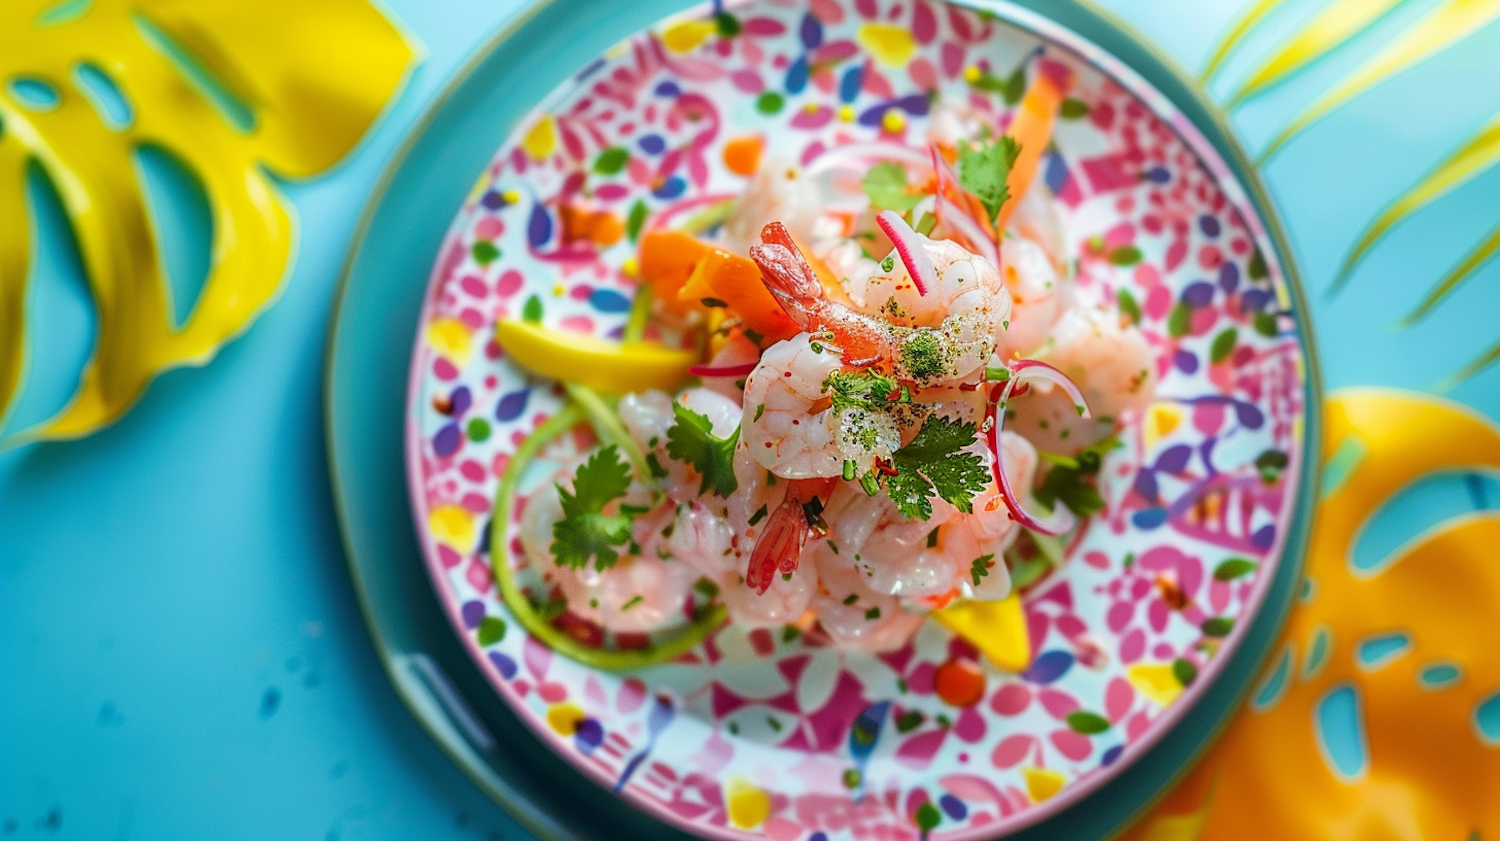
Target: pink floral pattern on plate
<point>759,734</point>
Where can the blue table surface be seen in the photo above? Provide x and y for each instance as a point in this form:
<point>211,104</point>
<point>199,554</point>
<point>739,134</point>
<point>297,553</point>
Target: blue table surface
<point>181,651</point>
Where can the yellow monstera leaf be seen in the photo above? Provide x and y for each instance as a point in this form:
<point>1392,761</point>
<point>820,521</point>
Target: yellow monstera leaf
<point>1377,719</point>
<point>234,90</point>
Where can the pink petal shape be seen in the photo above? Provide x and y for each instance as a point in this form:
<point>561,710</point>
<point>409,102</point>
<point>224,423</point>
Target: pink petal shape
<point>1118,698</point>
<point>1012,750</point>
<point>917,752</point>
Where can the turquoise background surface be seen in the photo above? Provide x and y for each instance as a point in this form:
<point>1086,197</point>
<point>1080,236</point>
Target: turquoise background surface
<point>182,653</point>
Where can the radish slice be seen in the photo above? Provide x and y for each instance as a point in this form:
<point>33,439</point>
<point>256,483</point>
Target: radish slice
<point>857,155</point>
<point>722,370</point>
<point>913,253</point>
<point>1062,519</point>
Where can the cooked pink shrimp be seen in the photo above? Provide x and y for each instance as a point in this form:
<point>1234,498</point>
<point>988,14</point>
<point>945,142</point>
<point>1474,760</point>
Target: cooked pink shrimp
<point>852,613</point>
<point>1039,293</point>
<point>640,593</point>
<point>1110,361</point>
<point>777,193</point>
<point>926,336</point>
<point>927,563</point>
<point>648,415</point>
<point>787,419</point>
<point>770,517</point>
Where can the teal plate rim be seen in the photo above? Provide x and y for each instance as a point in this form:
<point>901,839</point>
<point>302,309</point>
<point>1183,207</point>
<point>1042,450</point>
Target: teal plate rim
<point>375,314</point>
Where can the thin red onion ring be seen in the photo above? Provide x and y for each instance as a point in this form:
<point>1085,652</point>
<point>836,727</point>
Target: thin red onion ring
<point>854,153</point>
<point>740,370</point>
<point>962,223</point>
<point>909,246</point>
<point>1061,520</point>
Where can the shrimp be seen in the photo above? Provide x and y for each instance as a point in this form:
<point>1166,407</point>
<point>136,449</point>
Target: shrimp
<point>789,422</point>
<point>852,613</point>
<point>1039,295</point>
<point>787,419</point>
<point>777,192</point>
<point>771,520</point>
<point>642,592</point>
<point>953,553</point>
<point>648,415</point>
<point>946,335</point>
<point>1111,361</point>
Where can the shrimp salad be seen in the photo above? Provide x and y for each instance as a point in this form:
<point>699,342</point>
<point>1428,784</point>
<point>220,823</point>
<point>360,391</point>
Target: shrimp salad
<point>902,404</point>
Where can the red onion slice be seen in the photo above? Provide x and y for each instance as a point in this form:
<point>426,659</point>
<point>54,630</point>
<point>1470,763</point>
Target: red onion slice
<point>741,370</point>
<point>1062,520</point>
<point>962,223</point>
<point>859,154</point>
<point>909,245</point>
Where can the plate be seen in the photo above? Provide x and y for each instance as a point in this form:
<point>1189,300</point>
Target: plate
<point>901,783</point>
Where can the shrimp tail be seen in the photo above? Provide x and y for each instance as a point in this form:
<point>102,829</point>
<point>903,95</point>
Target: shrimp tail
<point>786,274</point>
<point>779,547</point>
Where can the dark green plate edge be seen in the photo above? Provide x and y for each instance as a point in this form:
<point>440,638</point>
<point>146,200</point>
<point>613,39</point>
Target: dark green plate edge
<point>379,296</point>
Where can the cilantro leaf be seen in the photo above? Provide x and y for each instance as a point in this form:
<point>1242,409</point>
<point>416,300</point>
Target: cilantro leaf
<point>1073,482</point>
<point>585,531</point>
<point>934,464</point>
<point>983,168</point>
<point>867,390</point>
<point>885,184</point>
<point>689,440</point>
<point>980,568</point>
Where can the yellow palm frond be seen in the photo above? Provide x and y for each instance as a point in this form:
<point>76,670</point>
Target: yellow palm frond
<point>1471,263</point>
<point>1485,360</point>
<point>1252,15</point>
<point>1327,31</point>
<point>1448,23</point>
<point>1477,154</point>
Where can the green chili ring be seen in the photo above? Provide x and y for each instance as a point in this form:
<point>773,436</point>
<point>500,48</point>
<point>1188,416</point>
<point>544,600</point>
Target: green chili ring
<point>559,641</point>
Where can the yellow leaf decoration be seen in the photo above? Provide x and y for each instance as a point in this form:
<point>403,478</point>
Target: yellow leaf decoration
<point>1330,29</point>
<point>1474,156</point>
<point>1389,729</point>
<point>1252,15</point>
<point>231,90</point>
<point>1450,22</point>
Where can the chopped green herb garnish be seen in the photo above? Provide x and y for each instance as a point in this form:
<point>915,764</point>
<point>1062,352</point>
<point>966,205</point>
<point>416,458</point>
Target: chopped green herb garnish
<point>922,355</point>
<point>634,600</point>
<point>980,568</point>
<point>851,598</point>
<point>1075,484</point>
<point>934,463</point>
<point>866,390</point>
<point>654,465</point>
<point>888,264</point>
<point>872,614</point>
<point>983,168</point>
<point>585,531</point>
<point>760,514</point>
<point>690,440</point>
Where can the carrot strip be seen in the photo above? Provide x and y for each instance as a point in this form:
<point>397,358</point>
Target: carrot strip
<point>726,280</point>
<point>1032,128</point>
<point>667,262</point>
